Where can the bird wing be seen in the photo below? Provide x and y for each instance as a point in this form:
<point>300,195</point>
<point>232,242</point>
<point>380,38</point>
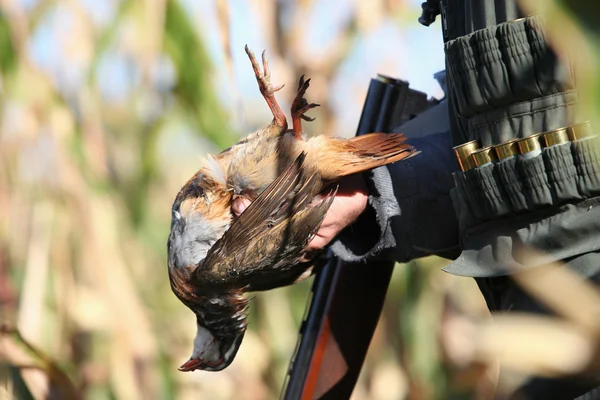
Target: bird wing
<point>268,237</point>
<point>220,259</point>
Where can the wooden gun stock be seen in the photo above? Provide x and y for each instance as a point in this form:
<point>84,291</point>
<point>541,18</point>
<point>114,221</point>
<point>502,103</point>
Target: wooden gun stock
<point>346,299</point>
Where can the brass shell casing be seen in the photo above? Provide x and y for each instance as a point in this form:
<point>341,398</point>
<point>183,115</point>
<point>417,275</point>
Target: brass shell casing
<point>507,149</point>
<point>463,154</point>
<point>530,143</point>
<point>580,131</point>
<point>484,156</point>
<point>557,136</point>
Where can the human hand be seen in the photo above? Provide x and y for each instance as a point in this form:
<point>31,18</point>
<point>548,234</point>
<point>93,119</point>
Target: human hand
<point>349,202</point>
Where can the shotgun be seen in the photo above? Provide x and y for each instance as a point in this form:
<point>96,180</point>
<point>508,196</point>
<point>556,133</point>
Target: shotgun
<point>345,302</point>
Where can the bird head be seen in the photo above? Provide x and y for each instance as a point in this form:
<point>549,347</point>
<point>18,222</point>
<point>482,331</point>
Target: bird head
<point>221,325</point>
<point>212,353</point>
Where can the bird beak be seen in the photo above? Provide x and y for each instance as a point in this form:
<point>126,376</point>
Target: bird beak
<point>191,365</point>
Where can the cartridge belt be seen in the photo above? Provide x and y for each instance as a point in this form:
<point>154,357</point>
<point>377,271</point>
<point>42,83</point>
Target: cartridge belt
<point>541,170</point>
<point>541,191</point>
<point>531,175</point>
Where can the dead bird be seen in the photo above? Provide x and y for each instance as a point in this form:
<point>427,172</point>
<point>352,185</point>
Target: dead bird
<point>215,258</point>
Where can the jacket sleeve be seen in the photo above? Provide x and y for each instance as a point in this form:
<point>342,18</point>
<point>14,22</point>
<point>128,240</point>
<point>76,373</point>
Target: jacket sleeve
<point>410,212</point>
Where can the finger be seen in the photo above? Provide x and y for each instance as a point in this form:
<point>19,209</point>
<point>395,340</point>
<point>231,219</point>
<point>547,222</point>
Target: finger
<point>344,210</point>
<point>319,241</point>
<point>238,205</point>
<point>352,185</point>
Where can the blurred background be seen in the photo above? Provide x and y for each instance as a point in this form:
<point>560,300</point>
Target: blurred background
<point>106,108</point>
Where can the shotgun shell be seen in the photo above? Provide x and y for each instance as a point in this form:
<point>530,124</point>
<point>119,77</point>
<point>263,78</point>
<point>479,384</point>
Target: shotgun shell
<point>557,136</point>
<point>580,131</point>
<point>463,154</point>
<point>507,149</point>
<point>530,144</point>
<point>484,156</point>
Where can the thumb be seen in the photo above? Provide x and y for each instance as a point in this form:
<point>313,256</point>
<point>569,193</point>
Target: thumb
<point>239,204</point>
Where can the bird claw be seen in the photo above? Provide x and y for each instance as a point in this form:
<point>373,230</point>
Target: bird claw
<point>266,88</point>
<point>300,106</point>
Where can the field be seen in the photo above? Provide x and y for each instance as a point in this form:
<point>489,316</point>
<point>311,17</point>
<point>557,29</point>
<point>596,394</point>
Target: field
<point>105,111</point>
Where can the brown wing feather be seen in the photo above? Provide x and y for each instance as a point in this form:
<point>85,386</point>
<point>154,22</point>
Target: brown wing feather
<point>269,236</point>
<point>278,253</point>
<point>253,221</point>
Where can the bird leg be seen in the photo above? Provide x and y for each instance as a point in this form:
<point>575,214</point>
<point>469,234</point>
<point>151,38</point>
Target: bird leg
<point>267,90</point>
<point>300,106</point>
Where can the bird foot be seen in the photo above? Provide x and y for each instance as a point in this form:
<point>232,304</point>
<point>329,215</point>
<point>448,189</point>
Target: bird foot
<point>266,89</point>
<point>300,106</point>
